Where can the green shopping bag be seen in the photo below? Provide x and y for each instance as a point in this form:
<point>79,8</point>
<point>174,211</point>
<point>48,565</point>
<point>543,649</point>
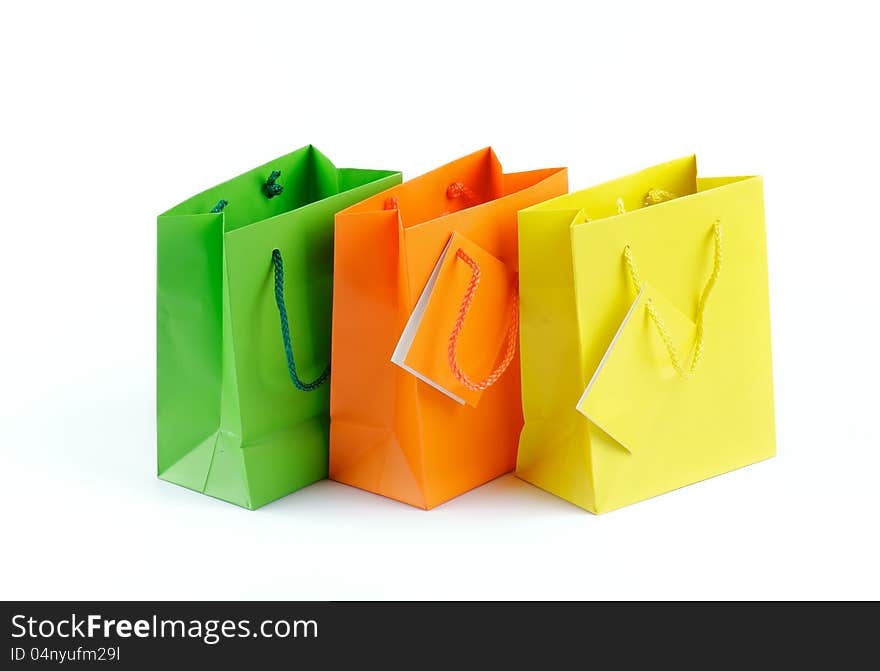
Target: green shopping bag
<point>244,300</point>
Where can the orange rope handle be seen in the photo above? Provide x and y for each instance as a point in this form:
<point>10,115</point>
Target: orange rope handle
<point>459,190</point>
<point>512,330</point>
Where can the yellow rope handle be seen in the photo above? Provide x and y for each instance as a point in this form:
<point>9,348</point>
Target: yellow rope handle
<point>683,371</point>
<point>655,196</point>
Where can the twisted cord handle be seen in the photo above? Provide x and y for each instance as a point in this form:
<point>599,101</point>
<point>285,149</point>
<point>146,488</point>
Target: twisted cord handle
<point>278,264</point>
<point>271,187</point>
<point>684,371</point>
<point>512,330</point>
<point>459,190</point>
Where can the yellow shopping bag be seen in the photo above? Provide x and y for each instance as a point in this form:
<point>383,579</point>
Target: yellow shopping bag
<point>645,336</point>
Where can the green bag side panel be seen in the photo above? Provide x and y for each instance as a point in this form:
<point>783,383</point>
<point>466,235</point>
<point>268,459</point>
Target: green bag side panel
<point>351,178</point>
<point>225,478</point>
<point>189,336</point>
<point>323,176</point>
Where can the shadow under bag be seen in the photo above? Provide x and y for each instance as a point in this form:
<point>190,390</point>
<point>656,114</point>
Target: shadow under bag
<point>244,296</point>
<point>645,336</point>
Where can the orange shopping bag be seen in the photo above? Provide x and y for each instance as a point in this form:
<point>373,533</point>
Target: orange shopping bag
<point>425,396</point>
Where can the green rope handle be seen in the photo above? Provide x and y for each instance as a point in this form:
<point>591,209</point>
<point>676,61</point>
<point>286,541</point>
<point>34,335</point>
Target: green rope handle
<point>271,188</point>
<point>285,330</point>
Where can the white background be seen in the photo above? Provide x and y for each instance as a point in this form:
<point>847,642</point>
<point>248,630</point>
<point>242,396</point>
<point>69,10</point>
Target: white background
<point>112,113</point>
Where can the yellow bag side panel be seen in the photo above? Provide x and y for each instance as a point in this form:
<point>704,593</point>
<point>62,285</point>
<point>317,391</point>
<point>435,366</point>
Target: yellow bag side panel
<point>554,451</point>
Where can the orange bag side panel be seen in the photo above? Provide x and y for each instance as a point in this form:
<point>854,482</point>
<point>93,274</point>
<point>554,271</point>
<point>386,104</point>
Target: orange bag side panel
<point>373,431</point>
